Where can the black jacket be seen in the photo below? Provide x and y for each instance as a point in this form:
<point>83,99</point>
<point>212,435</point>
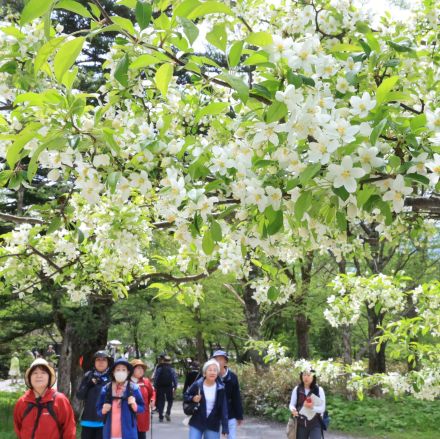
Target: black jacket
<point>219,415</point>
<point>90,392</point>
<point>233,396</point>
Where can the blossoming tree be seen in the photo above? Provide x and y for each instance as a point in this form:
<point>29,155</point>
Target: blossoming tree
<point>312,121</point>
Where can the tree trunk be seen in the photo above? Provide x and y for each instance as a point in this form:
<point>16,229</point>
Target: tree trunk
<point>252,314</point>
<point>376,358</point>
<point>346,343</point>
<point>200,342</point>
<point>302,322</point>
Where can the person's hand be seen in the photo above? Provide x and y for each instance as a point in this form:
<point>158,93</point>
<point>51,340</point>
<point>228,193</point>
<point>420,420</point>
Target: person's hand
<point>308,404</point>
<point>94,380</point>
<point>197,398</point>
<point>131,400</point>
<point>294,412</point>
<point>225,434</point>
<point>106,408</point>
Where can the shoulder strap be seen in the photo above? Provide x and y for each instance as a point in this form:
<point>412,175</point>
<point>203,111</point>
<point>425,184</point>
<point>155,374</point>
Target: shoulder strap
<point>297,397</point>
<point>51,410</point>
<point>40,406</point>
<point>108,393</point>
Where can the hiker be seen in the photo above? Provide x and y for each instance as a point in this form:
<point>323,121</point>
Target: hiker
<point>148,394</point>
<point>89,391</point>
<point>309,427</point>
<point>192,375</point>
<point>232,390</point>
<point>212,413</point>
<point>119,403</point>
<point>42,412</point>
<point>165,383</point>
<point>14,369</point>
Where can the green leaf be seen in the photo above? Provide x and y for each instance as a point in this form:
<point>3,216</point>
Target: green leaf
<point>66,56</point>
<point>13,152</point>
<point>237,84</point>
<point>34,9</point>
<point>294,79</point>
<point>260,39</point>
<point>302,204</point>
<point>124,24</point>
<point>397,96</point>
<point>212,109</point>
<point>5,176</point>
<point>377,131</point>
<point>216,231</point>
<point>341,192</point>
<point>73,6</point>
<point>190,29</point>
<point>112,181</point>
<point>143,14</point>
<point>95,10</point>
<point>55,224</point>
<point>208,243</point>
<point>235,53</point>
<point>385,88</point>
<point>144,61</point>
<point>343,47</point>
<point>394,161</point>
<point>419,178</point>
<point>276,111</point>
<point>185,8</point>
<point>45,51</point>
<point>364,194</point>
<point>418,122</point>
<point>401,47</point>
<point>272,294</point>
<point>163,77</point>
<point>218,36</point>
<point>276,223</point>
<point>341,221</point>
<point>206,8</point>
<point>9,67</point>
<point>256,58</point>
<point>309,173</point>
<point>121,71</point>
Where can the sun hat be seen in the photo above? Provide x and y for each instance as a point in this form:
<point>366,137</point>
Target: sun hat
<point>220,353</point>
<point>138,362</point>
<point>39,362</point>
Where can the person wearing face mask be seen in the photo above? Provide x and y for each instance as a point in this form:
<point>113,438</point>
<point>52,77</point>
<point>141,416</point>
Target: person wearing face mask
<point>119,403</point>
<point>209,393</point>
<point>89,391</point>
<point>148,393</point>
<point>42,412</point>
<point>302,396</point>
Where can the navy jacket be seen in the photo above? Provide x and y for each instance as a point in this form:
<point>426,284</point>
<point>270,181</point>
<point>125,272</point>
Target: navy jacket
<point>219,414</point>
<point>233,396</point>
<point>89,392</point>
<point>128,418</point>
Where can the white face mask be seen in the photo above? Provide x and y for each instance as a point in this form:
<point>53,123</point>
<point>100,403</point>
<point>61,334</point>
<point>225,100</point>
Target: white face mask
<point>120,376</point>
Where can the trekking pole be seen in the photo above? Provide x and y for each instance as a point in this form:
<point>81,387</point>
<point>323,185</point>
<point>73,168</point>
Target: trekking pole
<point>151,422</point>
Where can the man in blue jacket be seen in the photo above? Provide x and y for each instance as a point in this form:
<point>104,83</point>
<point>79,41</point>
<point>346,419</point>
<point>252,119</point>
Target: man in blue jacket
<point>232,390</point>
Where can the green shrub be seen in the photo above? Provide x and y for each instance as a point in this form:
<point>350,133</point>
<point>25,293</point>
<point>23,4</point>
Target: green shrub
<point>7,402</point>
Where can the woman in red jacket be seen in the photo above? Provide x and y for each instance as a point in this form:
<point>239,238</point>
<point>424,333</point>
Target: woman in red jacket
<point>148,393</point>
<point>42,412</point>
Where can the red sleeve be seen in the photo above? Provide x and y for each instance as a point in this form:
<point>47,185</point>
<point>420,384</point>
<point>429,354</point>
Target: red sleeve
<point>151,392</point>
<point>66,416</point>
<point>18,415</point>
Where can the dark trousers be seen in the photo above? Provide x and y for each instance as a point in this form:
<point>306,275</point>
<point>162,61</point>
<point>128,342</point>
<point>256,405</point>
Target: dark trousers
<point>142,435</point>
<point>309,432</point>
<point>163,393</point>
<point>91,433</point>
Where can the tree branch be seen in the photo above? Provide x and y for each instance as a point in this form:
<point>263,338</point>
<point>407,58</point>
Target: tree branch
<point>20,219</point>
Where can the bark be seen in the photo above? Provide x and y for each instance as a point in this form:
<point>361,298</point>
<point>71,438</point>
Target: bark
<point>376,358</point>
<point>200,342</point>
<point>302,322</point>
<point>253,319</point>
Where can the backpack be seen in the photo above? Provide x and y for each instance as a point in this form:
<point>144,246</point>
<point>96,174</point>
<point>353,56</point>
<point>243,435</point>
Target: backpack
<point>164,377</point>
<point>324,418</point>
<point>109,395</point>
<point>40,406</point>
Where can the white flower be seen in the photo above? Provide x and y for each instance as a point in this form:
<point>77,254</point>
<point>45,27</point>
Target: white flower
<point>101,160</point>
<point>362,106</point>
<point>91,190</point>
<point>368,158</point>
<point>290,96</point>
<point>141,182</point>
<point>256,195</point>
<point>301,56</point>
<point>266,133</point>
<point>345,174</point>
<point>341,129</point>
<point>124,188</point>
<point>397,193</point>
<point>320,151</point>
<point>343,86</point>
<point>351,66</point>
<point>419,166</point>
<point>434,166</point>
<point>274,197</point>
<point>433,120</point>
<point>278,48</point>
